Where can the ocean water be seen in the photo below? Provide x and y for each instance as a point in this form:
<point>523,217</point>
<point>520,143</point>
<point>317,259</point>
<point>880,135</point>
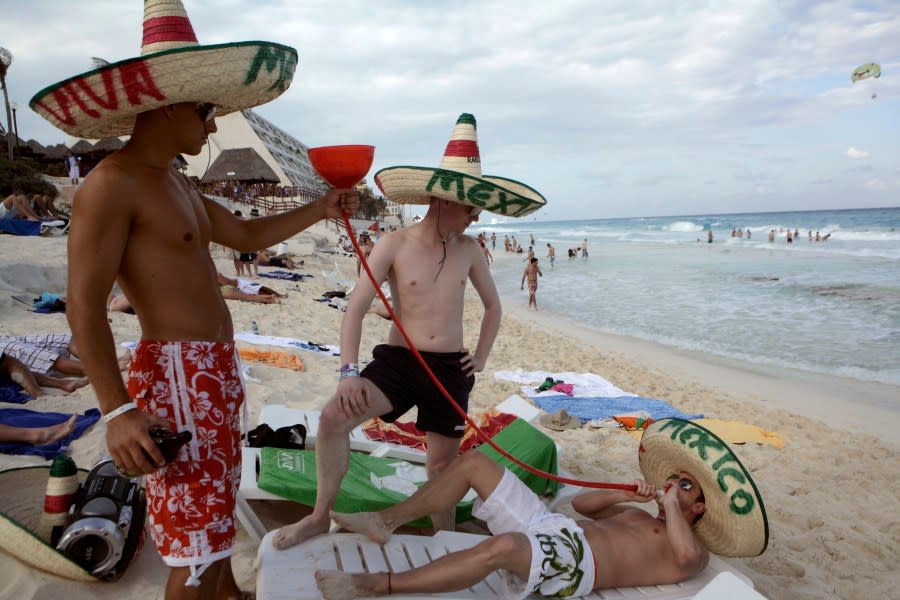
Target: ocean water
<point>825,307</point>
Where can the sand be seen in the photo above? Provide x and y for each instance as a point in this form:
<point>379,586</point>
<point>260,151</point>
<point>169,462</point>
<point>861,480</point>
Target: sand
<point>831,494</point>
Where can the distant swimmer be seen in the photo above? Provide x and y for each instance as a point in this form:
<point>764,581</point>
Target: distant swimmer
<point>532,272</point>
<point>709,237</point>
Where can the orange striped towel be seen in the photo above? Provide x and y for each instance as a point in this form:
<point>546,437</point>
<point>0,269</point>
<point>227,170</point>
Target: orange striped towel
<point>282,360</point>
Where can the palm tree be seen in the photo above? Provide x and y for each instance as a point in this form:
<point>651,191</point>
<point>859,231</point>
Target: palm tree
<point>6,59</point>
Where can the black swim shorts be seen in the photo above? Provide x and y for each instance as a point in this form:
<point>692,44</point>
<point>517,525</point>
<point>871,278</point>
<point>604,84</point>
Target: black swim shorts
<point>247,256</point>
<point>397,373</point>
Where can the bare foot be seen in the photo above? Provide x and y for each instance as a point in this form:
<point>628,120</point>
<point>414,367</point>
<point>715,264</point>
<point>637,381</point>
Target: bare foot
<point>302,530</point>
<point>70,385</point>
<point>370,524</point>
<point>47,435</point>
<point>66,385</point>
<point>336,585</point>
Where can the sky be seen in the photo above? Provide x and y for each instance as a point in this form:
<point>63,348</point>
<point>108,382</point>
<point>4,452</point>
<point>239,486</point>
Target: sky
<point>609,109</point>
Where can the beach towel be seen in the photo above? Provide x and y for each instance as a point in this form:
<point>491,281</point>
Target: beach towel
<point>285,275</point>
<point>20,227</point>
<point>20,417</point>
<point>735,432</point>
<point>284,342</point>
<point>12,392</point>
<point>583,384</point>
<point>407,434</point>
<point>589,408</point>
<point>282,360</point>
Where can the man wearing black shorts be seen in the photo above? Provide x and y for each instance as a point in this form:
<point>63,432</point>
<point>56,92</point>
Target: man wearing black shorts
<point>428,266</point>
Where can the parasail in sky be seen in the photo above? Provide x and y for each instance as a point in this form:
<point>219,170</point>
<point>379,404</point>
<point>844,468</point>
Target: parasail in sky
<point>867,71</point>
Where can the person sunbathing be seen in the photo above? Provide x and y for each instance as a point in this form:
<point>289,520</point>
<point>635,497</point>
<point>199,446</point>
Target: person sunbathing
<point>33,382</point>
<point>270,259</point>
<point>42,353</point>
<point>544,552</point>
<point>17,206</point>
<point>37,436</point>
<point>249,291</point>
<point>707,503</point>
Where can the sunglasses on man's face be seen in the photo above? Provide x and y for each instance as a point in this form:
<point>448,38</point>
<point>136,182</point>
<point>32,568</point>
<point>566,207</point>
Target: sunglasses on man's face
<point>207,111</point>
<point>683,482</point>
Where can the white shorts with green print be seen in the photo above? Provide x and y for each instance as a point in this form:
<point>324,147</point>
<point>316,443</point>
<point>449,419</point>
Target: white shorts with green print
<point>562,565</point>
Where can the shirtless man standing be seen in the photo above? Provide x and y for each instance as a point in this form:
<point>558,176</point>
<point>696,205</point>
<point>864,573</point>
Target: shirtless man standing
<point>141,223</point>
<point>427,266</point>
<point>532,272</point>
<point>553,555</point>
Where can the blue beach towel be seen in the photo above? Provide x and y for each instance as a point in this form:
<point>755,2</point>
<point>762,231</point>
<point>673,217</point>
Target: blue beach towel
<point>20,417</point>
<point>20,227</point>
<point>12,392</point>
<point>588,408</point>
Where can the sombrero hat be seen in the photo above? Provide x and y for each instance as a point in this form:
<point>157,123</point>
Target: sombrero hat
<point>21,507</point>
<point>734,522</point>
<point>560,420</point>
<point>459,179</point>
<point>172,68</point>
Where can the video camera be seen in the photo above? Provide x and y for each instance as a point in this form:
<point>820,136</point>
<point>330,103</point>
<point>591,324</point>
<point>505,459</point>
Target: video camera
<point>106,522</point>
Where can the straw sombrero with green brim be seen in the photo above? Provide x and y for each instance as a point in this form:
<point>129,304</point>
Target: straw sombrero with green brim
<point>172,68</point>
<point>21,507</point>
<point>459,179</point>
<point>734,522</point>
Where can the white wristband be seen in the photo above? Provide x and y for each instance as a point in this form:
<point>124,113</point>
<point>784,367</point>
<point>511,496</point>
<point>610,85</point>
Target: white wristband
<point>118,411</point>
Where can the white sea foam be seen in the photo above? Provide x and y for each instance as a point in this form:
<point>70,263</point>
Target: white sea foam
<point>830,307</point>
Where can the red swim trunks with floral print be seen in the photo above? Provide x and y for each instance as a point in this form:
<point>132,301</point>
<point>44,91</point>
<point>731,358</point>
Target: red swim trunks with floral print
<point>197,387</point>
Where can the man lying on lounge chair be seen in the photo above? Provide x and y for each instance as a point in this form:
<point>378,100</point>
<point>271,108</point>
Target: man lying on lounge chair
<point>551,554</point>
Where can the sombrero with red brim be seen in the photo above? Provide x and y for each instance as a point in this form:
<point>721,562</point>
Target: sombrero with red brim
<point>459,179</point>
<point>172,68</point>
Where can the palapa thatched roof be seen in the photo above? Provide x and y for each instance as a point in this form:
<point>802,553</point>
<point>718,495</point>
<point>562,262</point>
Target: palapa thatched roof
<point>82,147</point>
<point>241,164</point>
<point>108,144</point>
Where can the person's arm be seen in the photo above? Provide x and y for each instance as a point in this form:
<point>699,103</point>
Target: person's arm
<point>483,283</point>
<point>541,273</point>
<point>602,504</point>
<point>524,275</point>
<point>689,552</point>
<point>97,240</point>
<point>351,391</point>
<point>252,234</point>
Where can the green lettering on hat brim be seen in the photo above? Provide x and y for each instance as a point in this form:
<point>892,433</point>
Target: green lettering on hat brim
<point>487,193</point>
<point>105,101</point>
<point>721,461</point>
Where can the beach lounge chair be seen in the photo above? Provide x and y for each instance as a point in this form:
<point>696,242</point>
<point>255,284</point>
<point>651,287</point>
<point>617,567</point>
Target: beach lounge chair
<point>290,574</point>
<point>528,438</point>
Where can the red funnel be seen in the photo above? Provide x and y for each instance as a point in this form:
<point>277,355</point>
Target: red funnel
<point>342,166</point>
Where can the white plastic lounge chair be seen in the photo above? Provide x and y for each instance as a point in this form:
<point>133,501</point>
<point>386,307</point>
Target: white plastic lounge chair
<point>290,574</point>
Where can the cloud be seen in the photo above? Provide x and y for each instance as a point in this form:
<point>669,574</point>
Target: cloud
<point>570,96</point>
<point>876,185</point>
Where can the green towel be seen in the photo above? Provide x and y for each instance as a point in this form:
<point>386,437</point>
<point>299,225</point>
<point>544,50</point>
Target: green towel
<point>292,473</point>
